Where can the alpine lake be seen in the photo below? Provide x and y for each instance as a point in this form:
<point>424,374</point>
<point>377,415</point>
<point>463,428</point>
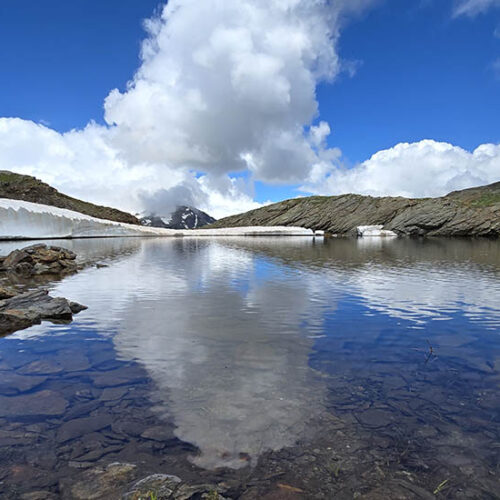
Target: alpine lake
<point>260,368</point>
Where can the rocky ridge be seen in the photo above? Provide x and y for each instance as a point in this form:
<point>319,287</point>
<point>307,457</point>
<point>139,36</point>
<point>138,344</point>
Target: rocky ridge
<point>470,212</point>
<point>27,188</point>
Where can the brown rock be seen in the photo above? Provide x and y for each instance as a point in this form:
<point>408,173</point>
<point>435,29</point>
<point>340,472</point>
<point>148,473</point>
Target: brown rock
<point>7,293</point>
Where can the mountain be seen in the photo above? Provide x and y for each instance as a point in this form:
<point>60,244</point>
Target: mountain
<point>27,188</point>
<point>183,218</point>
<point>470,212</point>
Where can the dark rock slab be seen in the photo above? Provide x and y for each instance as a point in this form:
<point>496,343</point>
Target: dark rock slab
<point>128,427</point>
<point>31,308</point>
<point>12,383</point>
<point>41,367</point>
<point>158,433</point>
<point>113,393</point>
<point>126,375</point>
<point>80,426</point>
<point>375,418</point>
<point>42,403</point>
<point>13,320</point>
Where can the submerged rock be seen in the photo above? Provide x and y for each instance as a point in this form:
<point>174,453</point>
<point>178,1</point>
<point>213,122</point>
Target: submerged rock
<point>43,403</point>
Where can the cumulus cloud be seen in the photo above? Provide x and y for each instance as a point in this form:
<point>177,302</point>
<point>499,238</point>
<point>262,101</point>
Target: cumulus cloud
<point>420,169</point>
<point>474,7</point>
<point>222,87</point>
<point>226,87</point>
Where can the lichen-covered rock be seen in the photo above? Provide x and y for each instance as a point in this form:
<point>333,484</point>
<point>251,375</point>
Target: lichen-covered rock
<point>99,484</point>
<point>6,293</point>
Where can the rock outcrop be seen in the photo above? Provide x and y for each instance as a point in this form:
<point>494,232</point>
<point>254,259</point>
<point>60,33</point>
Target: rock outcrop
<point>30,308</point>
<point>22,310</point>
<point>39,260</point>
<point>471,212</point>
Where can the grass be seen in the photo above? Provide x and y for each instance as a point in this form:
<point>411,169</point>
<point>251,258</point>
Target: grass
<point>486,200</point>
<point>441,487</point>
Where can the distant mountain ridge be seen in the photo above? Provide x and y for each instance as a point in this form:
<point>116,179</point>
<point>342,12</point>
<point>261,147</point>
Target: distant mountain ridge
<point>183,217</point>
<point>470,212</point>
<point>28,188</point>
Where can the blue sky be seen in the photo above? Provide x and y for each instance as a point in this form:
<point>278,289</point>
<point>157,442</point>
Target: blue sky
<point>421,73</point>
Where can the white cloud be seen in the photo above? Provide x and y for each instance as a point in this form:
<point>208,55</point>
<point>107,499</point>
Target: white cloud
<point>222,87</point>
<point>474,7</point>
<point>420,169</point>
<point>227,87</point>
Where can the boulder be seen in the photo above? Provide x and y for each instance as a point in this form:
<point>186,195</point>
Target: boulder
<point>40,260</point>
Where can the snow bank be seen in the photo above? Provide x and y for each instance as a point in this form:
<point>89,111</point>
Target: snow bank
<point>25,220</point>
<point>364,231</point>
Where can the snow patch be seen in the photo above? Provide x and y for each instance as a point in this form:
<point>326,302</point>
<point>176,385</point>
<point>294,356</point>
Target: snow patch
<point>25,220</point>
<point>364,231</point>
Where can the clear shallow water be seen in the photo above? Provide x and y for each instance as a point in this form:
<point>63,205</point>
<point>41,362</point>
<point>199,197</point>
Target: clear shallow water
<point>344,367</point>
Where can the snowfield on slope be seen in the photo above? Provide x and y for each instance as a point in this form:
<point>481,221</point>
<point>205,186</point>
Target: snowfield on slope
<point>25,220</point>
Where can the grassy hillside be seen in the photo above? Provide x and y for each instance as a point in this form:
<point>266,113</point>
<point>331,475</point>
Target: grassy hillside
<point>27,188</point>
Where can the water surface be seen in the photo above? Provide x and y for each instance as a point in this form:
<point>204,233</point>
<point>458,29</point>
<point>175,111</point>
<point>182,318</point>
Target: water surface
<point>345,367</point>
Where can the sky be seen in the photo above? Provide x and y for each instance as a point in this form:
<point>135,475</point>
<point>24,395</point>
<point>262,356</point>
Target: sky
<point>228,105</point>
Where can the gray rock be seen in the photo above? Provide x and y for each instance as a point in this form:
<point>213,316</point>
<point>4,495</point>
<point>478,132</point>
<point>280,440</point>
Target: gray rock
<point>113,393</point>
<point>12,383</point>
<point>80,426</point>
<point>41,367</point>
<point>163,486</point>
<point>158,433</point>
<point>42,403</point>
<point>375,418</point>
<point>27,309</point>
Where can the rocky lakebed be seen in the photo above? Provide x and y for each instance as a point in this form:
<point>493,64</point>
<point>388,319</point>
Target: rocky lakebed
<point>250,369</point>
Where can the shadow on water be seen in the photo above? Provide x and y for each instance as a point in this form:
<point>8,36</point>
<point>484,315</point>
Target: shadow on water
<point>285,367</point>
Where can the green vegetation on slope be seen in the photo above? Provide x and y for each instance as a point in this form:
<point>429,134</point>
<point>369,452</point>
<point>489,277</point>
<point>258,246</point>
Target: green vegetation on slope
<point>27,188</point>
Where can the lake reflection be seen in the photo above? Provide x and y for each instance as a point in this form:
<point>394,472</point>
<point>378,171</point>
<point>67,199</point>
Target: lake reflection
<point>250,342</point>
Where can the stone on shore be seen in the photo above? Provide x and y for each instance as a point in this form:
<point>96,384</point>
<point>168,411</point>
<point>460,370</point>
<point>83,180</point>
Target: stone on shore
<point>38,260</point>
<point>30,308</point>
